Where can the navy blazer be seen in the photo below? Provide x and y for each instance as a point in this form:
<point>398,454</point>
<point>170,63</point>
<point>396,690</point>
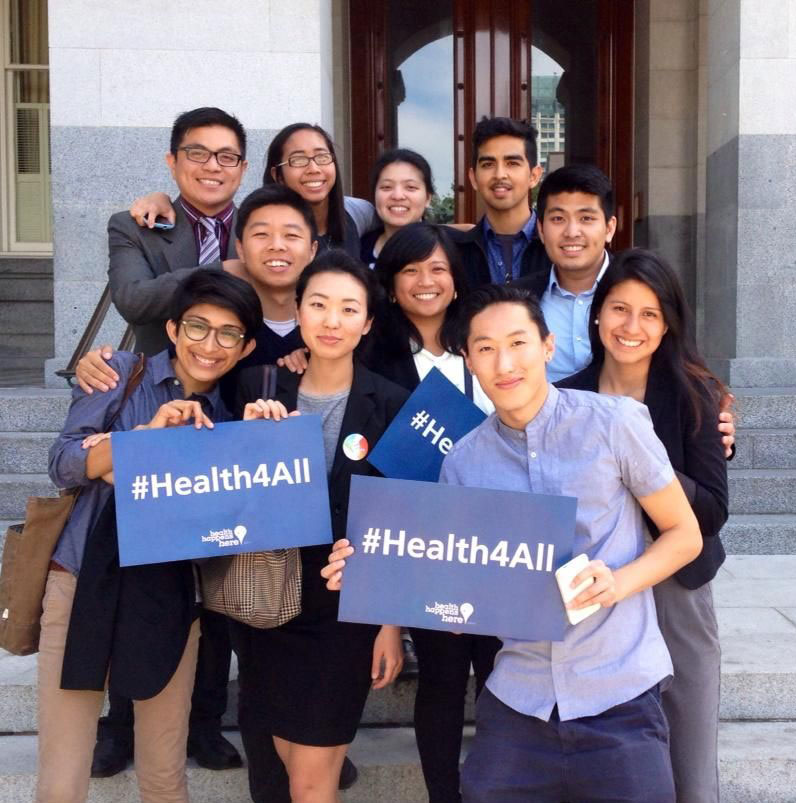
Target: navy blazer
<point>696,454</point>
<point>472,249</point>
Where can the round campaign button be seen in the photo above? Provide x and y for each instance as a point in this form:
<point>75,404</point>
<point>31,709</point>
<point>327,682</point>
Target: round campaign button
<point>355,446</point>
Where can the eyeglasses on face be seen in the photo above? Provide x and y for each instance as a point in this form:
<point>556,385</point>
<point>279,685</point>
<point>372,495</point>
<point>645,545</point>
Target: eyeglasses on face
<point>226,336</point>
<point>301,160</point>
<point>200,155</point>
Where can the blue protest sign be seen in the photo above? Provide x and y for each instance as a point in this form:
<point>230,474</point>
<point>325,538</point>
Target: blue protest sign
<point>446,557</point>
<point>243,486</point>
<point>433,418</point>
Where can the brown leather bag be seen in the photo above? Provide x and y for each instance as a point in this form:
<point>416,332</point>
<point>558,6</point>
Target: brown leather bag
<point>27,553</point>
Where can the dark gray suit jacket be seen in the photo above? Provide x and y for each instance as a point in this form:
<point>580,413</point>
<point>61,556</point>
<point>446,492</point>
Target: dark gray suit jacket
<point>145,266</point>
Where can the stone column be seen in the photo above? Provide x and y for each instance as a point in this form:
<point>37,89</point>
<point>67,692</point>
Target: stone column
<point>121,72</point>
<point>750,235</point>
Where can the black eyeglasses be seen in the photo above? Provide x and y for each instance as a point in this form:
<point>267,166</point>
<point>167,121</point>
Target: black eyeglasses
<point>226,336</point>
<point>300,160</point>
<point>196,153</point>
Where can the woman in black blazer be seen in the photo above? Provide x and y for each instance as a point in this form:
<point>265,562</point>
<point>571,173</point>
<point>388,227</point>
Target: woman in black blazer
<point>643,346</point>
<point>305,683</point>
<point>421,273</point>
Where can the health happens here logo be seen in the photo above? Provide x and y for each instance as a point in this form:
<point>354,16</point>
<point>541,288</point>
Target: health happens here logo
<point>452,612</point>
<point>226,536</point>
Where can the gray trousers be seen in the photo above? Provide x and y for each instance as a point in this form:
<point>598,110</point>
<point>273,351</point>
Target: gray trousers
<point>688,623</point>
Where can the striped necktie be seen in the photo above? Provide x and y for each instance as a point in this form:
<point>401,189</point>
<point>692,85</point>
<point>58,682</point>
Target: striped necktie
<point>210,250</point>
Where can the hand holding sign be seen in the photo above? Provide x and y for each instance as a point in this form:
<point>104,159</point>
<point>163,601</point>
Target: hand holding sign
<point>178,412</point>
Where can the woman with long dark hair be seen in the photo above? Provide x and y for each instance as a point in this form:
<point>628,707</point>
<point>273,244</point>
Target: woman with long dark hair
<point>305,683</point>
<point>423,279</point>
<point>301,156</point>
<point>643,346</point>
<point>402,187</point>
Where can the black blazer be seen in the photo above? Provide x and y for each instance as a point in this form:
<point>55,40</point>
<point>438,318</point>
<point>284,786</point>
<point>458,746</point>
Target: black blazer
<point>372,404</point>
<point>697,457</point>
<point>131,623</point>
<point>472,249</point>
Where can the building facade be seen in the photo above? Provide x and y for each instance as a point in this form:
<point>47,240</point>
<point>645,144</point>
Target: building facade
<point>689,105</point>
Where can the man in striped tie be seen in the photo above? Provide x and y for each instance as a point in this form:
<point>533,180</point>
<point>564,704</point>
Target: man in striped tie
<point>207,158</point>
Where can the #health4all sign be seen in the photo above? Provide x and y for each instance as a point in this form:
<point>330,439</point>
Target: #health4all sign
<point>243,486</point>
<point>431,420</point>
<point>447,557</point>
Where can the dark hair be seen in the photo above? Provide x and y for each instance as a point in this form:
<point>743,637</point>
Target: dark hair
<point>204,116</point>
<point>490,127</point>
<point>677,354</point>
<point>335,221</point>
<point>491,294</point>
<point>221,290</point>
<point>414,243</point>
<point>274,195</point>
<point>587,179</point>
<point>401,155</point>
<point>335,260</point>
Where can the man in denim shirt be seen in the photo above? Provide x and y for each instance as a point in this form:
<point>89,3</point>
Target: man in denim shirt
<point>578,719</point>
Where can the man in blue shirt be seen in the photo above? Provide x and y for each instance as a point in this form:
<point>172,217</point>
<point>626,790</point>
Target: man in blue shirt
<point>576,223</point>
<point>578,719</point>
<point>503,245</point>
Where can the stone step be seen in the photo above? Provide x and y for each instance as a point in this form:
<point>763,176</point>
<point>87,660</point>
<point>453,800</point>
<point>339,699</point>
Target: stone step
<point>15,490</point>
<point>756,609</point>
<point>760,534</point>
<point>762,490</point>
<point>765,408</point>
<point>33,344</point>
<point>25,452</point>
<point>765,448</point>
<point>26,317</point>
<point>756,763</point>
<point>33,409</point>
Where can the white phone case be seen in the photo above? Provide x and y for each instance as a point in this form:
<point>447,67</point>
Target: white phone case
<point>564,576</point>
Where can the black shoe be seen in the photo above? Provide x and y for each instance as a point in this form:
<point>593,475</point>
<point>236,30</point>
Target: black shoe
<point>111,756</point>
<point>348,774</point>
<point>213,752</point>
<point>409,669</point>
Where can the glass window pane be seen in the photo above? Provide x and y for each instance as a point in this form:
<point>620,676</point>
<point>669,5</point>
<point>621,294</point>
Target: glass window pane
<point>29,32</point>
<point>420,66</point>
<point>564,81</point>
<point>31,137</point>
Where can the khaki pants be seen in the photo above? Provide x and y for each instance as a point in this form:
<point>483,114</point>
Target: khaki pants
<point>68,719</point>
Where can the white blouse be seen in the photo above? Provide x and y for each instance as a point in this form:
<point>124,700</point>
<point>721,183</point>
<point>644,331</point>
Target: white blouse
<point>453,368</point>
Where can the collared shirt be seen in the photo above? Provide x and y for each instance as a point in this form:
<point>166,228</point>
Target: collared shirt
<point>567,316</point>
<point>453,369</point>
<point>603,451</point>
<point>499,271</point>
<point>89,414</point>
<point>223,226</point>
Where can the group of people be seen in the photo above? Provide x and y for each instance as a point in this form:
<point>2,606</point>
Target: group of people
<point>357,303</point>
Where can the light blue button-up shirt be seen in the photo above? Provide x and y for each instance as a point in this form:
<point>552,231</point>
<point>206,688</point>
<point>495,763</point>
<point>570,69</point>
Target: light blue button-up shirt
<point>602,450</point>
<point>567,316</point>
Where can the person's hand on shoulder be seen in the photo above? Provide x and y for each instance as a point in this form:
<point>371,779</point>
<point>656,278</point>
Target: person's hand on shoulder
<point>93,372</point>
<point>145,210</point>
<point>267,409</point>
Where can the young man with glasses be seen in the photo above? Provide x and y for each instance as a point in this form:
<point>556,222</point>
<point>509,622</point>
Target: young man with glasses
<point>207,159</point>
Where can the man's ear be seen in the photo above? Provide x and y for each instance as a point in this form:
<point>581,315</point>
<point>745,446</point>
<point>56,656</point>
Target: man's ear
<point>536,175</point>
<point>247,349</point>
<point>471,176</point>
<point>314,249</point>
<point>171,330</point>
<point>539,229</point>
<point>239,250</point>
<point>549,347</point>
<point>610,229</point>
<point>171,161</point>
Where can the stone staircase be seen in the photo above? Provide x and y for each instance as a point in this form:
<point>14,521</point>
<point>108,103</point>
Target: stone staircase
<point>755,598</point>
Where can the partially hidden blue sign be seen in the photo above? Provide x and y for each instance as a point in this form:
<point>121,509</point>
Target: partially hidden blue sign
<point>243,486</point>
<point>433,418</point>
<point>446,557</point>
